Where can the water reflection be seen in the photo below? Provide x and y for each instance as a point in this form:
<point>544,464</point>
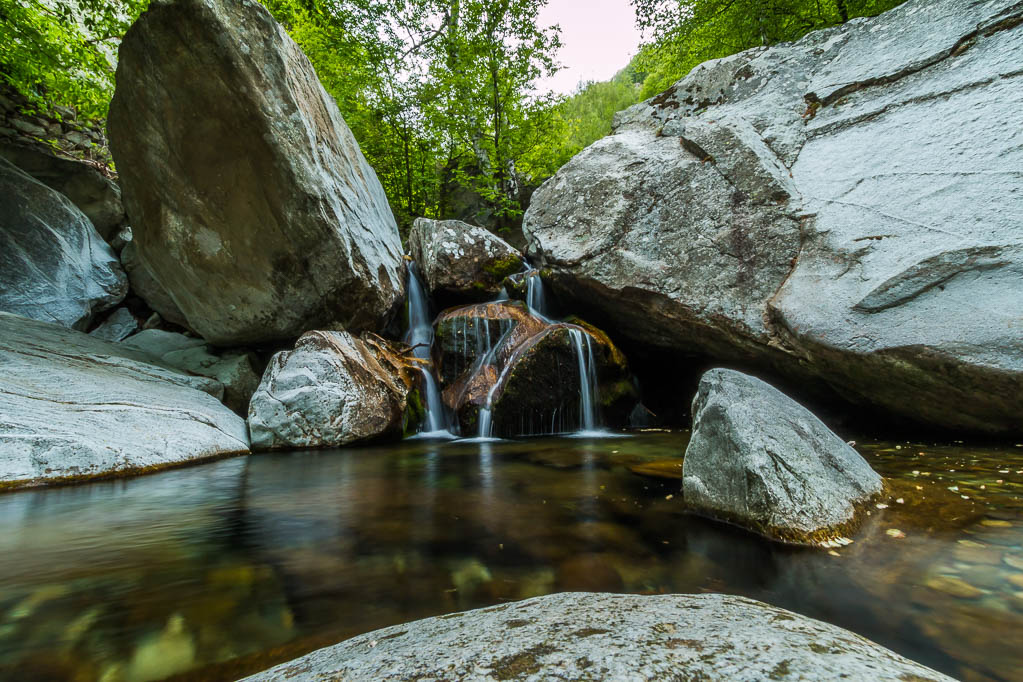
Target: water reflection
<point>226,568</point>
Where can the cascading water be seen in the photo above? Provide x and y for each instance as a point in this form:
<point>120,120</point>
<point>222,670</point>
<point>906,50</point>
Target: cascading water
<point>535,299</point>
<point>420,337</point>
<point>588,398</point>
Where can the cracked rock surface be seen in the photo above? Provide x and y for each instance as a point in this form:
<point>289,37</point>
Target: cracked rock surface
<point>763,461</point>
<point>586,636</point>
<point>332,389</point>
<point>846,208</point>
<point>254,214</point>
<point>73,406</point>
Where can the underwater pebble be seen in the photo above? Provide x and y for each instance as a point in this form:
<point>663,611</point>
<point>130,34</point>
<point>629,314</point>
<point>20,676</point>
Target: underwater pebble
<point>895,533</point>
<point>953,586</point>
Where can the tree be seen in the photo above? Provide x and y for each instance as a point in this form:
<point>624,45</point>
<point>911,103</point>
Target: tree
<point>688,32</point>
<point>62,52</point>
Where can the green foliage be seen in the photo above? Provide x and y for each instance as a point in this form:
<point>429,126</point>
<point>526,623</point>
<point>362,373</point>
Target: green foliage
<point>61,52</point>
<point>688,32</point>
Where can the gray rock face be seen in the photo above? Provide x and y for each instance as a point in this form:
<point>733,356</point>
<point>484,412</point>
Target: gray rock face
<point>145,286</point>
<point>53,264</point>
<point>75,406</point>
<point>462,262</point>
<point>95,195</point>
<point>118,326</point>
<point>581,636</point>
<point>761,460</point>
<point>233,369</point>
<point>250,202</point>
<point>331,390</point>
<point>844,208</point>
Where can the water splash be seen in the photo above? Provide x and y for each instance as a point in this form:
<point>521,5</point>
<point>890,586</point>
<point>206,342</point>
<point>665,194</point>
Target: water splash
<point>420,337</point>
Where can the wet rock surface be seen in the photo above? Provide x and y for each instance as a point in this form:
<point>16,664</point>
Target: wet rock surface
<point>250,202</point>
<point>332,389</point>
<point>601,636</point>
<point>54,266</point>
<point>761,460</point>
<point>75,406</point>
<point>462,262</point>
<point>746,213</point>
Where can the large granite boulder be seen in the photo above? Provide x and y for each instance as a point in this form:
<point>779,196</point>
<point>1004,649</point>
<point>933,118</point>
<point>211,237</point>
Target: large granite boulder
<point>761,460</point>
<point>76,407</point>
<point>145,286</point>
<point>53,264</point>
<point>582,636</point>
<point>235,370</point>
<point>250,202</point>
<point>95,195</point>
<point>462,262</point>
<point>843,209</point>
<point>334,389</point>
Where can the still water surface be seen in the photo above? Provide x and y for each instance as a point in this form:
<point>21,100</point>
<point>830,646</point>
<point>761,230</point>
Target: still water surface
<point>214,571</point>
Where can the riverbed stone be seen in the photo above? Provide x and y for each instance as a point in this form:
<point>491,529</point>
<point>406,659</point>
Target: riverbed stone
<point>75,407</point>
<point>333,389</point>
<point>117,326</point>
<point>462,262</point>
<point>54,266</point>
<point>250,202</point>
<point>842,210</point>
<point>577,635</point>
<point>763,461</point>
<point>234,369</point>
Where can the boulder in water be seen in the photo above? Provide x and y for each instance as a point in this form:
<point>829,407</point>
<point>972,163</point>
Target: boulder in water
<point>462,262</point>
<point>250,202</point>
<point>53,264</point>
<point>75,406</point>
<point>761,460</point>
<point>235,370</point>
<point>746,214</point>
<point>333,389</point>
<point>624,637</point>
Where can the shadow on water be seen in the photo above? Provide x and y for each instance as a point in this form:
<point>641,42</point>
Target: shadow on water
<point>226,568</point>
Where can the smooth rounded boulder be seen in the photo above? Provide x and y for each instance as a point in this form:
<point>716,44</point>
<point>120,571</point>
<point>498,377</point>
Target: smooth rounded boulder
<point>54,266</point>
<point>583,636</point>
<point>334,389</point>
<point>762,461</point>
<point>843,210</point>
<point>250,202</point>
<point>462,262</point>
<point>75,407</point>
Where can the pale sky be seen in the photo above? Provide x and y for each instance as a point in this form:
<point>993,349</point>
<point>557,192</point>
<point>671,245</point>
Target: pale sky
<point>598,38</point>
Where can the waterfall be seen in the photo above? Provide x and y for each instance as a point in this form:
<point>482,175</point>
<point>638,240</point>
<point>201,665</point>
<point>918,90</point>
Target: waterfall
<point>588,398</point>
<point>420,337</point>
<point>535,299</point>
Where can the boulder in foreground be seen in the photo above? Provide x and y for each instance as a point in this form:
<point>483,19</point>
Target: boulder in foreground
<point>333,389</point>
<point>75,407</point>
<point>462,262</point>
<point>763,461</point>
<point>250,202</point>
<point>54,266</point>
<point>578,636</point>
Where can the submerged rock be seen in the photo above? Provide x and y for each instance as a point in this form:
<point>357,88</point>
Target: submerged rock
<point>759,459</point>
<point>250,202</point>
<point>53,264</point>
<point>75,406</point>
<point>331,390</point>
<point>233,369</point>
<point>462,262</point>
<point>747,214</point>
<point>95,195</point>
<point>608,636</point>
